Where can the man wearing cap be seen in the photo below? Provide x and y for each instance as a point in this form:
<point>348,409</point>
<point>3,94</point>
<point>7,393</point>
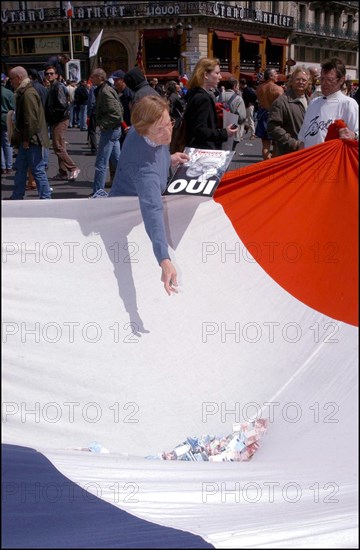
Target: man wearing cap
<point>125,94</point>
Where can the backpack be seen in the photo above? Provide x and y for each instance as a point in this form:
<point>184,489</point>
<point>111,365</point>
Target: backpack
<point>226,105</point>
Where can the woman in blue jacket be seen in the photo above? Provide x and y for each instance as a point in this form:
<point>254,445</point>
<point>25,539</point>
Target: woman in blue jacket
<point>143,171</point>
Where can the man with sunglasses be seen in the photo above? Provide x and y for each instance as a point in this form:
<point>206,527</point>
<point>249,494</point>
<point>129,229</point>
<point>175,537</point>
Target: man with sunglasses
<point>330,106</point>
<point>57,114</point>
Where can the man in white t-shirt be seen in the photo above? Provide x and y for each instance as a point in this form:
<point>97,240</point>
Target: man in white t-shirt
<point>330,106</point>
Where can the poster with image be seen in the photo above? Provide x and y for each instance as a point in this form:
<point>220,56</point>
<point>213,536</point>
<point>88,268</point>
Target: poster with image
<point>201,174</point>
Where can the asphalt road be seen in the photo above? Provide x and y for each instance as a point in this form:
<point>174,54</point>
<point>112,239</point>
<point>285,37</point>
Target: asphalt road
<point>247,152</point>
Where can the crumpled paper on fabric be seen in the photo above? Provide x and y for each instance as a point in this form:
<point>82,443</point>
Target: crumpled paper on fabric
<point>239,446</point>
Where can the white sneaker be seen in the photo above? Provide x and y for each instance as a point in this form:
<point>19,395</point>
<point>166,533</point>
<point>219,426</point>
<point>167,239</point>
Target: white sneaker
<point>74,174</point>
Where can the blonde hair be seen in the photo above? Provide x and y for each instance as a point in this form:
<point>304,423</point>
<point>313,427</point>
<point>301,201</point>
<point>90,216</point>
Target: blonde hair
<point>204,65</point>
<point>146,111</point>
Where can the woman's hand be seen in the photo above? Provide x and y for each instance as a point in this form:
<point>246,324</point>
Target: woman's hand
<point>168,276</point>
<point>231,131</point>
<point>178,158</point>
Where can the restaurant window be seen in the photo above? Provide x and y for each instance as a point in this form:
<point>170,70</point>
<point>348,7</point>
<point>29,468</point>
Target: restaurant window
<point>77,43</point>
<point>28,45</point>
<point>13,46</point>
<point>248,51</point>
<point>222,52</point>
<point>162,54</point>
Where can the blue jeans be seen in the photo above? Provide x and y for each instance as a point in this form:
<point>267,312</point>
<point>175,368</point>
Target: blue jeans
<point>30,158</point>
<point>82,117</point>
<point>108,149</point>
<point>6,150</point>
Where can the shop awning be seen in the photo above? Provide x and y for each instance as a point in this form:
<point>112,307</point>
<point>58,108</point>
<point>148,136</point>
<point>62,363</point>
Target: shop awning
<point>156,33</point>
<point>248,75</point>
<point>277,41</point>
<point>252,38</point>
<point>225,35</point>
<point>225,75</point>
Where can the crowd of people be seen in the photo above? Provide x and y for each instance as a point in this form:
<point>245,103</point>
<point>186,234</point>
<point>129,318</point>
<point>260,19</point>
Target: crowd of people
<point>129,123</point>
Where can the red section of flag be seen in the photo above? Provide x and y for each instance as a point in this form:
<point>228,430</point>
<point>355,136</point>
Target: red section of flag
<point>298,216</point>
<point>139,58</point>
<point>69,10</point>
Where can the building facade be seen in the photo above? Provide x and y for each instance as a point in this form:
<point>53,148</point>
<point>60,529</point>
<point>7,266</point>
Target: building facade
<point>167,37</point>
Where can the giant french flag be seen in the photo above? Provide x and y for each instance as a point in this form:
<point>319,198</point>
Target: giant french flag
<point>97,356</point>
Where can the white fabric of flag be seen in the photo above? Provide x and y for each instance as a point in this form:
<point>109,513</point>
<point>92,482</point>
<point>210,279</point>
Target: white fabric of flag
<point>95,45</point>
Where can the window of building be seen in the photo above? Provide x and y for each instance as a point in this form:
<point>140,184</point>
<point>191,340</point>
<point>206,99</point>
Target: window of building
<point>350,23</point>
<point>222,51</point>
<point>309,55</point>
<point>327,19</point>
<point>350,58</point>
<point>162,54</point>
<point>302,14</point>
<point>28,45</point>
<point>13,46</point>
<point>317,55</point>
<point>248,51</point>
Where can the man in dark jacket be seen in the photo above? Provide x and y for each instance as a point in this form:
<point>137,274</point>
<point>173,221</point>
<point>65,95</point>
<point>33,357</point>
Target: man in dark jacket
<point>59,62</point>
<point>137,82</point>
<point>7,104</point>
<point>125,94</point>
<point>57,116</point>
<point>81,99</point>
<point>29,136</point>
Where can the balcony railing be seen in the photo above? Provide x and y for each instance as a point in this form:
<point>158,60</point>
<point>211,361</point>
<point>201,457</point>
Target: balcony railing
<point>324,30</point>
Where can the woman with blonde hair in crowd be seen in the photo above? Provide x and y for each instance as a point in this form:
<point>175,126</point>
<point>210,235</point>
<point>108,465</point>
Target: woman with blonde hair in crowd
<point>200,115</point>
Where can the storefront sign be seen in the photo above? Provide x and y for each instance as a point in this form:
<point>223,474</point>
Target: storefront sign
<point>150,9</point>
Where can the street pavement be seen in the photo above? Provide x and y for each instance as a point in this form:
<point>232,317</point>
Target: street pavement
<point>247,152</point>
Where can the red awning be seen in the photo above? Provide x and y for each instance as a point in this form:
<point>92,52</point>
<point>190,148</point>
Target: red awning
<point>277,41</point>
<point>248,75</point>
<point>252,38</point>
<point>225,35</point>
<point>225,75</point>
<point>156,33</point>
<point>163,76</point>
